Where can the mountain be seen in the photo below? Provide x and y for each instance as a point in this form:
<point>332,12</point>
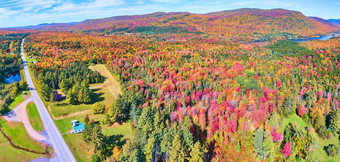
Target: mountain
<point>49,25</point>
<point>327,22</point>
<point>239,24</point>
<point>335,21</point>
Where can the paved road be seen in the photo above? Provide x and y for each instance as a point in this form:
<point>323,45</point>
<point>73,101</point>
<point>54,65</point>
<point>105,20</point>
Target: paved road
<point>62,152</point>
<point>19,114</point>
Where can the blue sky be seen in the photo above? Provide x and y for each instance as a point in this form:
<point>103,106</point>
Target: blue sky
<point>32,12</point>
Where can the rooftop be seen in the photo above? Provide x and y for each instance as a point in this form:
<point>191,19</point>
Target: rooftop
<point>79,126</point>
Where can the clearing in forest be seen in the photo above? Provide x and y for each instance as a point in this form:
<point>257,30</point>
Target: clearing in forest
<point>110,82</point>
<point>103,93</point>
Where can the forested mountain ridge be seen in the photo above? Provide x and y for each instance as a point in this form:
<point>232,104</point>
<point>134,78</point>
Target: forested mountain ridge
<point>326,22</point>
<point>241,24</point>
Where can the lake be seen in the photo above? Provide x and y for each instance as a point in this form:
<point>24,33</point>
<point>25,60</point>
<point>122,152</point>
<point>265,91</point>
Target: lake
<point>13,78</point>
<point>325,37</point>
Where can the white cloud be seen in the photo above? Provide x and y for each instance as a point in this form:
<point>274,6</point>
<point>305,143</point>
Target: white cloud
<point>242,3</point>
<point>29,5</point>
<point>167,1</point>
<point>65,7</point>
<point>140,2</point>
<point>269,3</point>
<point>72,7</point>
<point>6,12</point>
<point>70,12</point>
<point>276,3</point>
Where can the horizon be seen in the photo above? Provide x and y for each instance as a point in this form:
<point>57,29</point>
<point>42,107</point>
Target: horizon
<point>16,13</point>
<point>44,23</point>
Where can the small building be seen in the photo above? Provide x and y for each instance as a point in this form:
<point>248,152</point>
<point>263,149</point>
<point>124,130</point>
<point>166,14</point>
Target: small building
<point>77,127</point>
<point>58,96</point>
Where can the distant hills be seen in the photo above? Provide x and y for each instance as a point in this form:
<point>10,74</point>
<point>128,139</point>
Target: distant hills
<point>239,24</point>
<point>326,22</point>
<point>335,21</point>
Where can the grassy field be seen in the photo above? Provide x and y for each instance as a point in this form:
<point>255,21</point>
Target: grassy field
<point>294,119</point>
<point>31,60</point>
<point>20,137</point>
<point>76,143</point>
<point>18,100</point>
<point>320,153</point>
<point>80,149</point>
<point>110,82</point>
<point>63,109</point>
<point>124,129</point>
<point>64,125</point>
<point>34,117</point>
<point>9,153</point>
<point>104,93</point>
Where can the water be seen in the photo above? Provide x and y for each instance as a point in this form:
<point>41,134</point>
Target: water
<point>325,37</point>
<point>13,78</point>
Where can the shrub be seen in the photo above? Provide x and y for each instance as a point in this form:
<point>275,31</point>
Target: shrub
<point>2,106</point>
<point>332,150</point>
<point>325,133</point>
<point>98,108</point>
<point>86,119</point>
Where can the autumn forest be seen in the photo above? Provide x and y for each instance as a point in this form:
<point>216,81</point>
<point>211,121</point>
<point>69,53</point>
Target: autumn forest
<point>222,86</point>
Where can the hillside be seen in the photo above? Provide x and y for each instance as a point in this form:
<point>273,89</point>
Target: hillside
<point>240,24</point>
<point>326,22</point>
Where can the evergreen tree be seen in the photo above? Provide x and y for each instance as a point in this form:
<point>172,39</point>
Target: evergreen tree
<point>65,85</point>
<point>23,85</point>
<point>84,95</point>
<point>97,138</point>
<point>87,95</point>
<point>87,134</point>
<point>114,112</point>
<point>52,97</point>
<point>133,113</point>
<point>258,142</point>
<point>45,91</point>
<point>149,149</point>
<point>166,141</point>
<point>335,121</point>
<point>197,153</point>
<point>263,143</point>
<point>268,146</point>
<point>177,152</point>
<point>16,87</point>
<point>97,158</point>
<point>187,135</point>
<point>81,95</point>
<point>71,96</point>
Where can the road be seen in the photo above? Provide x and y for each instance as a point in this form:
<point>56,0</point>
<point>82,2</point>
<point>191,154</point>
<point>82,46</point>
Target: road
<point>19,114</point>
<point>62,152</point>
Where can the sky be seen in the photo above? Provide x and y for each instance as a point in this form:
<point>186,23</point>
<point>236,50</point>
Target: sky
<point>15,13</point>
